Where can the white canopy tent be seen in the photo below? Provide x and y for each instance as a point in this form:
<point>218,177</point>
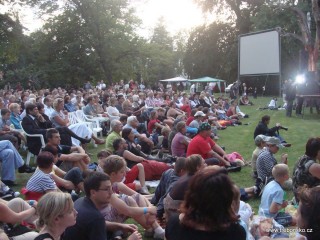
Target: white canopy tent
<point>174,80</point>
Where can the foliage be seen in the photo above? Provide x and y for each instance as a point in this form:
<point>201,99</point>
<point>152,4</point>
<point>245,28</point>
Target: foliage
<point>87,40</point>
<point>242,10</point>
<point>92,40</point>
<point>160,61</point>
<point>271,18</point>
<point>211,51</point>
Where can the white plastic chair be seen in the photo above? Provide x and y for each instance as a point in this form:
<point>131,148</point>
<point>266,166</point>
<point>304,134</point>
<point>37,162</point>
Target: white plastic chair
<point>73,118</point>
<point>43,144</point>
<point>95,125</point>
<point>111,117</point>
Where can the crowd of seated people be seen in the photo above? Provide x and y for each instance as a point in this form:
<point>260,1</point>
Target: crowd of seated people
<point>142,122</point>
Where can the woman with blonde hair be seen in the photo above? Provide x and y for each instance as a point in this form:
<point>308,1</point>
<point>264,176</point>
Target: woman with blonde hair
<point>15,118</point>
<point>112,111</point>
<point>56,213</point>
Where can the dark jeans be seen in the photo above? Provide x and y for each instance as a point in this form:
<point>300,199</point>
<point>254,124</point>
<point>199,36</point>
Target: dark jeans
<point>212,161</point>
<point>74,176</point>
<point>289,108</point>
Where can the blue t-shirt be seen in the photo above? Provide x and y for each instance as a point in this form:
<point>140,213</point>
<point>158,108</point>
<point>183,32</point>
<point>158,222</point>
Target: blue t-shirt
<point>272,192</point>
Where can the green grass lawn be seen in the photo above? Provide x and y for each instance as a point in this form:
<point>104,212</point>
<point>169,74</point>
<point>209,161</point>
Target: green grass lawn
<point>240,139</point>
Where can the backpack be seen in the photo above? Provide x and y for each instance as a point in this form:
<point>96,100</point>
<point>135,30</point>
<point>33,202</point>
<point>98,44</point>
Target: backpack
<point>301,173</point>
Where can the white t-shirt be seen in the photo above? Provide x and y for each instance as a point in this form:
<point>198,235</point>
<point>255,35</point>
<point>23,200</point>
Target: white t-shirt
<point>272,104</point>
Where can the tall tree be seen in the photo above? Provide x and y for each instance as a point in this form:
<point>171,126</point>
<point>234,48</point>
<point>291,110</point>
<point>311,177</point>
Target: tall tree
<point>242,11</point>
<point>308,36</point>
<point>211,51</point>
<point>108,27</point>
<point>160,61</point>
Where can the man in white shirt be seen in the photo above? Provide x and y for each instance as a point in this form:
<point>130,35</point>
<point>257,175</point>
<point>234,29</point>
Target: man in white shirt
<point>48,109</point>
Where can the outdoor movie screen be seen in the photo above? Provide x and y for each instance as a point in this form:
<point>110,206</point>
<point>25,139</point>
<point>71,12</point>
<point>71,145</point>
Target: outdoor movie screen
<point>259,53</point>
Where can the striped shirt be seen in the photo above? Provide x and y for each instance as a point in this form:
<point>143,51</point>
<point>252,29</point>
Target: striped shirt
<point>40,182</point>
<point>265,163</point>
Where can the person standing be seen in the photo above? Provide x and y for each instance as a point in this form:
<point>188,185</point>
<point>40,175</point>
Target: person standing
<point>290,91</point>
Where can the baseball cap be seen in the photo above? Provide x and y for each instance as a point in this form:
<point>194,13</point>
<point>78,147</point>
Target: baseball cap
<point>200,113</point>
<point>204,127</point>
<point>259,139</point>
<point>274,141</point>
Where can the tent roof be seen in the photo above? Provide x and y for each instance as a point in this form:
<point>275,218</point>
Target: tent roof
<point>206,79</point>
<point>176,79</point>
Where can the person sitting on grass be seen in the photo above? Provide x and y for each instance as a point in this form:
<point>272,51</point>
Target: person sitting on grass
<point>46,178</point>
<point>232,111</point>
<point>244,100</point>
<point>214,220</point>
<point>90,223</point>
<point>262,128</point>
<point>69,180</point>
<point>243,209</point>
<point>180,142</point>
<point>166,183</point>
<point>136,172</point>
<point>203,144</point>
<point>266,161</point>
<point>68,157</point>
<point>175,196</point>
<point>56,213</point>
<point>273,104</point>
<point>307,169</point>
<point>146,143</point>
<point>154,125</point>
<point>128,204</point>
<point>260,142</point>
<point>116,128</point>
<point>272,200</point>
<point>153,169</point>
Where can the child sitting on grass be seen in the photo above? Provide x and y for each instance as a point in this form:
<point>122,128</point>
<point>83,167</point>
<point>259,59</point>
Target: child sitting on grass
<point>272,200</point>
<point>125,203</point>
<point>132,174</point>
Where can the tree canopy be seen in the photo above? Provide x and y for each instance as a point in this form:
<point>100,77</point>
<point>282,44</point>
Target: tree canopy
<point>93,40</point>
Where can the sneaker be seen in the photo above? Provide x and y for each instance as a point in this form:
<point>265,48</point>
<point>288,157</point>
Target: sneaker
<point>26,169</point>
<point>144,191</point>
<point>234,169</point>
<point>9,183</point>
<point>7,195</point>
<point>286,144</point>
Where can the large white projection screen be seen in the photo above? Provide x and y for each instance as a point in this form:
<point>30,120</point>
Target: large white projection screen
<point>259,53</point>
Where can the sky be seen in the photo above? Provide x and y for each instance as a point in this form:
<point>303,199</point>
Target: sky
<point>178,15</point>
